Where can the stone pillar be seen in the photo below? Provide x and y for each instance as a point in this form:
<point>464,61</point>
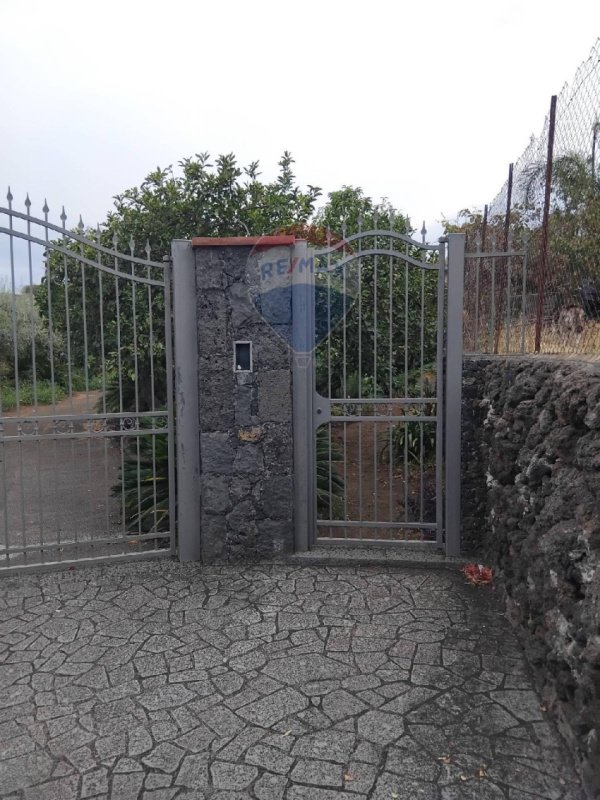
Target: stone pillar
<point>245,418</point>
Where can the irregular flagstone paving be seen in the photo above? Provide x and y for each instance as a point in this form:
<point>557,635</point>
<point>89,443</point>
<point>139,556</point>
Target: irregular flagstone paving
<point>162,681</point>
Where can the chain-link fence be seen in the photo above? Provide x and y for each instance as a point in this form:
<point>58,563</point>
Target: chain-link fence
<point>532,281</point>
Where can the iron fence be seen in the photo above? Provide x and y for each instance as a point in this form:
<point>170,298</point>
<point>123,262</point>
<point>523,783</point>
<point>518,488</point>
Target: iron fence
<point>532,273</point>
<point>86,411</point>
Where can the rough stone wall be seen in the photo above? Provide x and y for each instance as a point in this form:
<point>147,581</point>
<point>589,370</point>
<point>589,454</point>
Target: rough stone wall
<point>245,418</point>
<point>531,507</point>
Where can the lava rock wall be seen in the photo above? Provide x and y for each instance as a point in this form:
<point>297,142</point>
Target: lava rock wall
<point>531,509</point>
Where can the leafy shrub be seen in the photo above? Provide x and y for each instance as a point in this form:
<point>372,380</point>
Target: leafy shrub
<point>143,487</point>
<point>330,484</point>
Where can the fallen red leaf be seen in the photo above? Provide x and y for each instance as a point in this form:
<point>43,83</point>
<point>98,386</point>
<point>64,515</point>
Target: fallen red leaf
<point>477,574</point>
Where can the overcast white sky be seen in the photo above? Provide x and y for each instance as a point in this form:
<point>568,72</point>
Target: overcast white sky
<point>425,102</point>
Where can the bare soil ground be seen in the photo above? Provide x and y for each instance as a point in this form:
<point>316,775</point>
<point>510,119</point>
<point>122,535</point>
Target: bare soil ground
<point>377,491</point>
<point>57,491</point>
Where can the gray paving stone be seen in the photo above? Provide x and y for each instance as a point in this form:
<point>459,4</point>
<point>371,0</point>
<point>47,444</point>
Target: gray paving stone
<point>268,758</point>
<point>114,745</point>
<point>195,740</point>
<point>392,786</point>
<point>125,787</point>
<point>62,789</point>
<point>316,772</point>
<point>193,772</point>
<point>270,787</point>
<point>72,740</point>
<point>127,765</point>
<point>326,745</point>
<point>312,793</point>
<point>165,757</point>
<point>139,741</point>
<point>524,705</point>
<point>27,770</point>
<point>159,794</point>
<point>341,704</point>
<point>166,697</point>
<point>94,783</point>
<point>380,728</point>
<point>232,776</point>
<point>359,777</point>
<point>272,708</point>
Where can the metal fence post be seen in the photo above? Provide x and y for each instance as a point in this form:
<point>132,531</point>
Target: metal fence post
<point>543,267</point>
<point>454,359</point>
<point>186,400</point>
<point>302,388</point>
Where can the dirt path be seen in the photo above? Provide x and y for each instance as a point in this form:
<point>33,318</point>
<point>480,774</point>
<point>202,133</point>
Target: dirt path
<point>375,492</point>
<point>57,490</point>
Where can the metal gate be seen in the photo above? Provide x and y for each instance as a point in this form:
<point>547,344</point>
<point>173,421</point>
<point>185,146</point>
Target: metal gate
<point>379,449</point>
<point>86,410</point>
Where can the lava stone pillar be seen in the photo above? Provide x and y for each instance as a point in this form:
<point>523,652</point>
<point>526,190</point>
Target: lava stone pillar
<point>243,296</point>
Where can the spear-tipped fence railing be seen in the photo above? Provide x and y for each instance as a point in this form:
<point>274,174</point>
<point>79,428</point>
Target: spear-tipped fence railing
<point>86,412</point>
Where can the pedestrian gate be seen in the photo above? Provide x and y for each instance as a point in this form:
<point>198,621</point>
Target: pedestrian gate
<point>377,401</point>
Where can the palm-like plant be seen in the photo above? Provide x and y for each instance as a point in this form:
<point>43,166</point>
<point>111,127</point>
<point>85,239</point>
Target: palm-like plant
<point>143,486</point>
<point>330,484</point>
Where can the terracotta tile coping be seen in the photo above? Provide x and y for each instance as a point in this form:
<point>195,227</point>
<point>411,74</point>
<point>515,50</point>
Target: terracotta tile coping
<point>243,241</point>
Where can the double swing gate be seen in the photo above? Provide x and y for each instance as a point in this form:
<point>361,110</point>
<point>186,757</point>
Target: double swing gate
<point>86,411</point>
<point>377,401</point>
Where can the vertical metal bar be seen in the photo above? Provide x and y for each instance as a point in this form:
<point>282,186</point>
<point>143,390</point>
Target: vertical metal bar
<point>11,247</point>
<point>440,387</point>
<point>329,394</point>
<point>34,369</point>
<point>168,275</point>
<point>375,392</point>
<point>49,302</point>
<point>422,409</point>
<point>504,263</point>
<point>31,307</point>
<point>508,297</point>
<point>120,379</point>
<point>65,244</point>
<point>186,398</point>
<point>345,378</point>
<point>523,296</point>
<point>545,221</point>
<point>16,365</point>
<point>492,302</point>
<point>406,428</point>
<point>63,217</point>
<point>477,275</point>
<point>152,405</point>
<point>310,383</point>
<point>360,426</point>
<point>86,370</point>
<point>304,426</point>
<point>51,354</point>
<point>5,494</point>
<point>136,373</point>
<point>391,379</point>
<point>456,259</point>
<point>103,379</point>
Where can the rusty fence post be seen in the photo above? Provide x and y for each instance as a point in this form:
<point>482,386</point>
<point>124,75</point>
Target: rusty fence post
<point>504,261</point>
<point>543,266</point>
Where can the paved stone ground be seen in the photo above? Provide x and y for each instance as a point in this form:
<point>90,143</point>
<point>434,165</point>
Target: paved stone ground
<point>159,681</point>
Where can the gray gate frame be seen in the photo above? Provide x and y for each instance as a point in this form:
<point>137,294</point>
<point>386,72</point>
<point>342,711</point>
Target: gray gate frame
<point>449,399</point>
<point>64,236</point>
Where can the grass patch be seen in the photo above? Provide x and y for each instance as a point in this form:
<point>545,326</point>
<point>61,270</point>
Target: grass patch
<point>8,394</point>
